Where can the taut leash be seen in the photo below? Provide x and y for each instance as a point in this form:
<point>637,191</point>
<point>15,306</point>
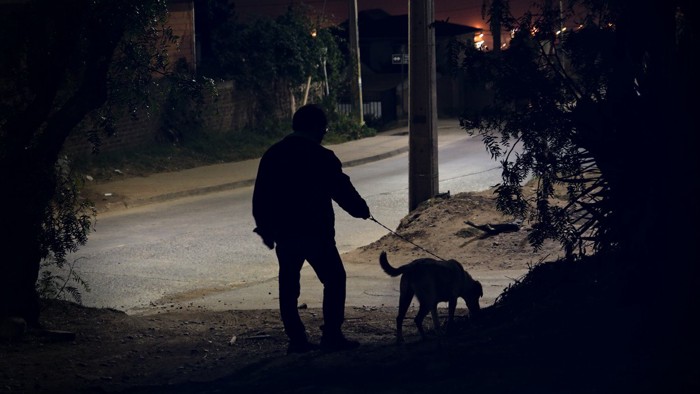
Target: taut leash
<point>405,239</point>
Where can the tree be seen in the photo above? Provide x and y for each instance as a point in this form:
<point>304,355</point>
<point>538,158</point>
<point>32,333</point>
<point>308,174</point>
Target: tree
<point>266,57</point>
<point>497,14</point>
<point>66,66</point>
<point>604,113</point>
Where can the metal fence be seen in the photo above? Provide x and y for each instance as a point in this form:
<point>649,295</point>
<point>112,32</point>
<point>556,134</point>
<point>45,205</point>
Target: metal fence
<point>372,108</point>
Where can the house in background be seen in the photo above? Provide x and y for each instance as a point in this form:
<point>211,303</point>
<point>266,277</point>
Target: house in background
<point>383,41</point>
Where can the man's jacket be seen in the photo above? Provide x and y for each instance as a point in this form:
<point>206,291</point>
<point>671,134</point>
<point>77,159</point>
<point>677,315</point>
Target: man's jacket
<point>296,183</point>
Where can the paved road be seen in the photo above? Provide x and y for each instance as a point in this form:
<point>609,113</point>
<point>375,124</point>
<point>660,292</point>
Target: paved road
<point>202,250</point>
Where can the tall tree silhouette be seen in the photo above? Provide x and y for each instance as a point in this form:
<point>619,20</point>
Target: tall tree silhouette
<point>497,14</point>
<point>602,112</point>
<point>65,65</point>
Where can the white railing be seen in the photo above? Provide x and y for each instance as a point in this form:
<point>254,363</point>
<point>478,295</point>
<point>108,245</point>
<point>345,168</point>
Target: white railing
<point>373,108</point>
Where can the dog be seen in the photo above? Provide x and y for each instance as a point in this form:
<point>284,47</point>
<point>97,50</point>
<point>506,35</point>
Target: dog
<point>432,281</point>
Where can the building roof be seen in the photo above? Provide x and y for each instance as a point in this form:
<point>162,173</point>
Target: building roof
<point>377,24</point>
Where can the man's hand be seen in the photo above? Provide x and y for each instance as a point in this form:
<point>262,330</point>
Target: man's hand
<point>267,240</point>
<point>269,243</point>
<point>366,215</point>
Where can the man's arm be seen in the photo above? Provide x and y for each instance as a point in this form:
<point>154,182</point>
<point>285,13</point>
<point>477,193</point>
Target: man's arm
<point>263,206</point>
<point>344,192</point>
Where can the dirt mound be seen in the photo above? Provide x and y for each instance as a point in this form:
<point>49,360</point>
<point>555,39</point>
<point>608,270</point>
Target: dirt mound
<point>466,227</point>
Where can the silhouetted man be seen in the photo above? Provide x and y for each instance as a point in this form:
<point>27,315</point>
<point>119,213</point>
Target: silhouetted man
<point>297,182</point>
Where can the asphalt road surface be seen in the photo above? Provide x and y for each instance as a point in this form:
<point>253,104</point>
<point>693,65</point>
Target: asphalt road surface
<point>205,243</point>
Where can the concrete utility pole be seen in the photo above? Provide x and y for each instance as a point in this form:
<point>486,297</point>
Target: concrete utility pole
<point>355,74</point>
<point>422,126</point>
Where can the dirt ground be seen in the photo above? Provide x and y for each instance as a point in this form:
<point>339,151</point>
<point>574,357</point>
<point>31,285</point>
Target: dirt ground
<point>245,351</point>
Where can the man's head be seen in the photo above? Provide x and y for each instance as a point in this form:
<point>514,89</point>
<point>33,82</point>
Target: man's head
<point>311,121</point>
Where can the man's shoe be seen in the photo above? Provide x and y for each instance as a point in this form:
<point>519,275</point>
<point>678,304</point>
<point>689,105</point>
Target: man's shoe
<point>338,343</point>
<point>301,347</point>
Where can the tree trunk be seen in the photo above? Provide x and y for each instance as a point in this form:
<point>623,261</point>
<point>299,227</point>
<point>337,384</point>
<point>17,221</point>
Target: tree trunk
<point>67,69</point>
<point>29,176</point>
<point>29,186</point>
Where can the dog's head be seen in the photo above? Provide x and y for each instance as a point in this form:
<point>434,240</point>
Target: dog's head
<point>472,292</point>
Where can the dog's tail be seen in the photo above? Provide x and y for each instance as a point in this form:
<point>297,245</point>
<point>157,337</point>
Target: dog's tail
<point>384,263</point>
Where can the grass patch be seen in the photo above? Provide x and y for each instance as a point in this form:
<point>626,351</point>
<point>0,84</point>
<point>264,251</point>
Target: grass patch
<point>194,150</point>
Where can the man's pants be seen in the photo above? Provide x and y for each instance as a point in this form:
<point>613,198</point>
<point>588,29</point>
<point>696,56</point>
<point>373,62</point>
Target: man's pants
<point>325,260</point>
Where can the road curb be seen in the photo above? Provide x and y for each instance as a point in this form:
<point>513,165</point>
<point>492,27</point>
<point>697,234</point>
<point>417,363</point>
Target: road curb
<point>198,191</point>
<point>187,193</point>
<point>381,156</point>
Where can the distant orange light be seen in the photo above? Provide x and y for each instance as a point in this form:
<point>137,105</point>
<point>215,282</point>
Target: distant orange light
<point>479,40</point>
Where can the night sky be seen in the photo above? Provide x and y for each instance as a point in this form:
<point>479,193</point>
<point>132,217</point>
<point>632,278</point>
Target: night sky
<point>465,12</point>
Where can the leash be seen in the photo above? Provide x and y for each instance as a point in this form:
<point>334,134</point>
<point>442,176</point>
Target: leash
<point>405,239</point>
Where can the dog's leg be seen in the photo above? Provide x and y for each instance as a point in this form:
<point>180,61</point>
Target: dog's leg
<point>452,306</point>
<point>404,302</point>
<point>436,319</point>
<point>422,313</point>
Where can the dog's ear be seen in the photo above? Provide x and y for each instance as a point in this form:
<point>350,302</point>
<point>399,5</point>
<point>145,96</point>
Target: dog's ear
<point>481,289</point>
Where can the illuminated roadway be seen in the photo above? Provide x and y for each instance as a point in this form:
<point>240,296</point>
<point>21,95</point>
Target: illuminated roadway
<point>136,257</point>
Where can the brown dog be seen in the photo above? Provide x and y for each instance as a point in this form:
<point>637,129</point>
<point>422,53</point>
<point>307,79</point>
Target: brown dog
<point>432,281</point>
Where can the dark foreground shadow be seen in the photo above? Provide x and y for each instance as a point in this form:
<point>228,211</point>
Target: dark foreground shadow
<point>567,327</point>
